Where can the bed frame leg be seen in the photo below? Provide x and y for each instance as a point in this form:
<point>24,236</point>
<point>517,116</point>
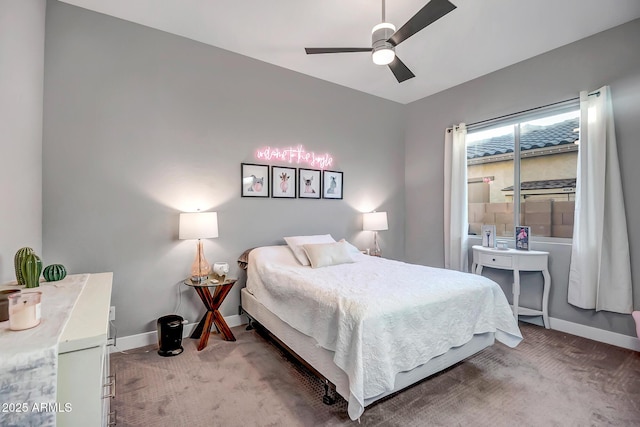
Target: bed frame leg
<point>329,394</point>
<point>250,326</point>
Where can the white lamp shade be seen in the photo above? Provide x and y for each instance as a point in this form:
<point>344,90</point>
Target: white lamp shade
<point>198,225</point>
<point>375,221</point>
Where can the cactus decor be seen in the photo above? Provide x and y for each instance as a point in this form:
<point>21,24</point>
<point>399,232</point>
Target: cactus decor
<point>31,269</point>
<point>17,263</point>
<point>54,272</point>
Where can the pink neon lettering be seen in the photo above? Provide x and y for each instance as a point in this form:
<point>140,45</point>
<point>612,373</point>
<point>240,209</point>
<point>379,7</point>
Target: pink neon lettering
<point>295,155</point>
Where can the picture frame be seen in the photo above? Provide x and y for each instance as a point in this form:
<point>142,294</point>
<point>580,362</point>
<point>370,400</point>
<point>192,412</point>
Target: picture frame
<point>332,184</point>
<point>254,180</point>
<point>309,183</point>
<point>488,236</point>
<point>523,234</point>
<point>282,184</point>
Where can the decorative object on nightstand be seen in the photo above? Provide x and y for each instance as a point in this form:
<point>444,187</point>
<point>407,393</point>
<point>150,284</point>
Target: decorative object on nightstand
<point>212,303</point>
<point>31,270</point>
<point>199,225</point>
<point>17,263</point>
<point>219,271</point>
<point>54,272</point>
<point>502,245</point>
<point>4,303</point>
<point>489,236</point>
<point>24,310</point>
<point>375,221</point>
<point>523,233</point>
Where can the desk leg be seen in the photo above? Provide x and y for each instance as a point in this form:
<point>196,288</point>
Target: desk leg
<point>545,297</point>
<point>516,292</point>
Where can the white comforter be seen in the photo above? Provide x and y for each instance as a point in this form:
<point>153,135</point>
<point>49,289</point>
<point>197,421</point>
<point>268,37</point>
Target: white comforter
<point>379,316</point>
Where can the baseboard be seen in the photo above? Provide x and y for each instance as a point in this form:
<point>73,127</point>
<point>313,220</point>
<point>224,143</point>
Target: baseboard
<point>608,337</point>
<point>601,335</point>
<point>149,338</point>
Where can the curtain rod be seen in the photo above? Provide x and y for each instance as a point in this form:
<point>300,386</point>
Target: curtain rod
<point>526,111</point>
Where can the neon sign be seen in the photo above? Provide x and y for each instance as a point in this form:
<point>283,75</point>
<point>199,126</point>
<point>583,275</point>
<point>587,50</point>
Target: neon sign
<point>295,155</point>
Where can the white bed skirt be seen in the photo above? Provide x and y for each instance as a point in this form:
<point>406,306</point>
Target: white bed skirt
<point>322,360</point>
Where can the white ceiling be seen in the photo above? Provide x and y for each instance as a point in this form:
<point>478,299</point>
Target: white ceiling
<point>478,37</point>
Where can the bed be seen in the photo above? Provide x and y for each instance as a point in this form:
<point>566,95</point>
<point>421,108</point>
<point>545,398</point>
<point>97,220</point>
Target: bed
<point>371,326</point>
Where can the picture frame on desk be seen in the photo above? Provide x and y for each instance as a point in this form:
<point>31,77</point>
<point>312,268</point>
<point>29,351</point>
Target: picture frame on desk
<point>522,233</point>
<point>489,236</point>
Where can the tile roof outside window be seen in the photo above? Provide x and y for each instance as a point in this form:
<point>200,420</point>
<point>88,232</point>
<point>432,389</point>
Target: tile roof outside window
<point>532,137</point>
<point>545,184</point>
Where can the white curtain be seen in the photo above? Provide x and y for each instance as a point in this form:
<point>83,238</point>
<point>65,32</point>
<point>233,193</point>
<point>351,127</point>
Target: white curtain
<point>600,272</point>
<point>456,221</point>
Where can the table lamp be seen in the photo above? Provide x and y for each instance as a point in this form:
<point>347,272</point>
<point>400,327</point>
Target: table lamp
<point>199,225</point>
<point>375,221</point>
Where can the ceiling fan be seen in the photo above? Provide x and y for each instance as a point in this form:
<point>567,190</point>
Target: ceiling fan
<point>385,38</point>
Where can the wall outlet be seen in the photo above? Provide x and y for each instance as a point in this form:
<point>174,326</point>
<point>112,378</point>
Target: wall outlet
<point>112,313</point>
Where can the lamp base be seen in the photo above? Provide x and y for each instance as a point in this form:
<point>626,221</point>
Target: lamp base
<point>200,268</point>
<point>376,251</point>
<point>198,279</point>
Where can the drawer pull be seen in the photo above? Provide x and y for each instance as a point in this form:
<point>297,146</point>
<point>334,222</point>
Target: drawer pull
<point>112,387</point>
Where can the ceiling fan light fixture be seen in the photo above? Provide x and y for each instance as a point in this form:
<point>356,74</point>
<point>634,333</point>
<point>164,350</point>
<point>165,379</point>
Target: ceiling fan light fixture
<point>383,56</point>
<point>382,51</point>
<point>387,26</point>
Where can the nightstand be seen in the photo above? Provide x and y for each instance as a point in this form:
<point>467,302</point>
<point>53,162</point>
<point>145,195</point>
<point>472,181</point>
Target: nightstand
<point>517,261</point>
<point>212,316</point>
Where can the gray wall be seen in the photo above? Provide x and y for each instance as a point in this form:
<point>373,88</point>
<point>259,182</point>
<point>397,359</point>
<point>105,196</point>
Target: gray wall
<point>609,58</point>
<point>141,125</point>
<point>22,26</point>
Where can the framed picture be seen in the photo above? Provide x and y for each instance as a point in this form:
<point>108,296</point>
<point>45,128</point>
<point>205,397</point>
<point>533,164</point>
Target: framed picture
<point>522,237</point>
<point>331,185</point>
<point>255,180</point>
<point>489,236</point>
<point>309,183</point>
<point>283,182</point>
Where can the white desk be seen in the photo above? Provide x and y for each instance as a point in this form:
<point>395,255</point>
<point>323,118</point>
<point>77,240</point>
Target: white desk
<point>517,261</point>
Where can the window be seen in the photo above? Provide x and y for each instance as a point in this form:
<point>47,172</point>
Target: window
<point>531,159</point>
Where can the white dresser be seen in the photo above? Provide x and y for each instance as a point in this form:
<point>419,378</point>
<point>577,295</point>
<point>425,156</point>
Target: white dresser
<point>84,380</point>
<point>517,261</point>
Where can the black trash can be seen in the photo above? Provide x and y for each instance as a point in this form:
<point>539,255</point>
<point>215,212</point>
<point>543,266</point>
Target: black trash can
<point>170,335</point>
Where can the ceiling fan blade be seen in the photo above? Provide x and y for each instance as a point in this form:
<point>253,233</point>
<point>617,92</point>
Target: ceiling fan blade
<point>400,70</point>
<point>316,50</point>
<point>430,13</point>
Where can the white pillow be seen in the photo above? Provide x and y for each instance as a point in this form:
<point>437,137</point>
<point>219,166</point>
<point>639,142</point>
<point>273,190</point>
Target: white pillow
<point>295,244</point>
<point>326,254</point>
<point>352,249</point>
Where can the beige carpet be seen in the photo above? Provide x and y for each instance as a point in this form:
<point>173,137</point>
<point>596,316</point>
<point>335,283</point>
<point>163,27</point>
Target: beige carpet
<point>550,379</point>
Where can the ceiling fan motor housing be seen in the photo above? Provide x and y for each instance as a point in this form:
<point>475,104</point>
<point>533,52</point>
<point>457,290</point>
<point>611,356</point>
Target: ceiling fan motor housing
<point>379,36</point>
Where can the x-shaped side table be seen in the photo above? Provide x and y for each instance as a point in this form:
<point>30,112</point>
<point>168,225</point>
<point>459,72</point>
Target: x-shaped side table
<point>212,316</point>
